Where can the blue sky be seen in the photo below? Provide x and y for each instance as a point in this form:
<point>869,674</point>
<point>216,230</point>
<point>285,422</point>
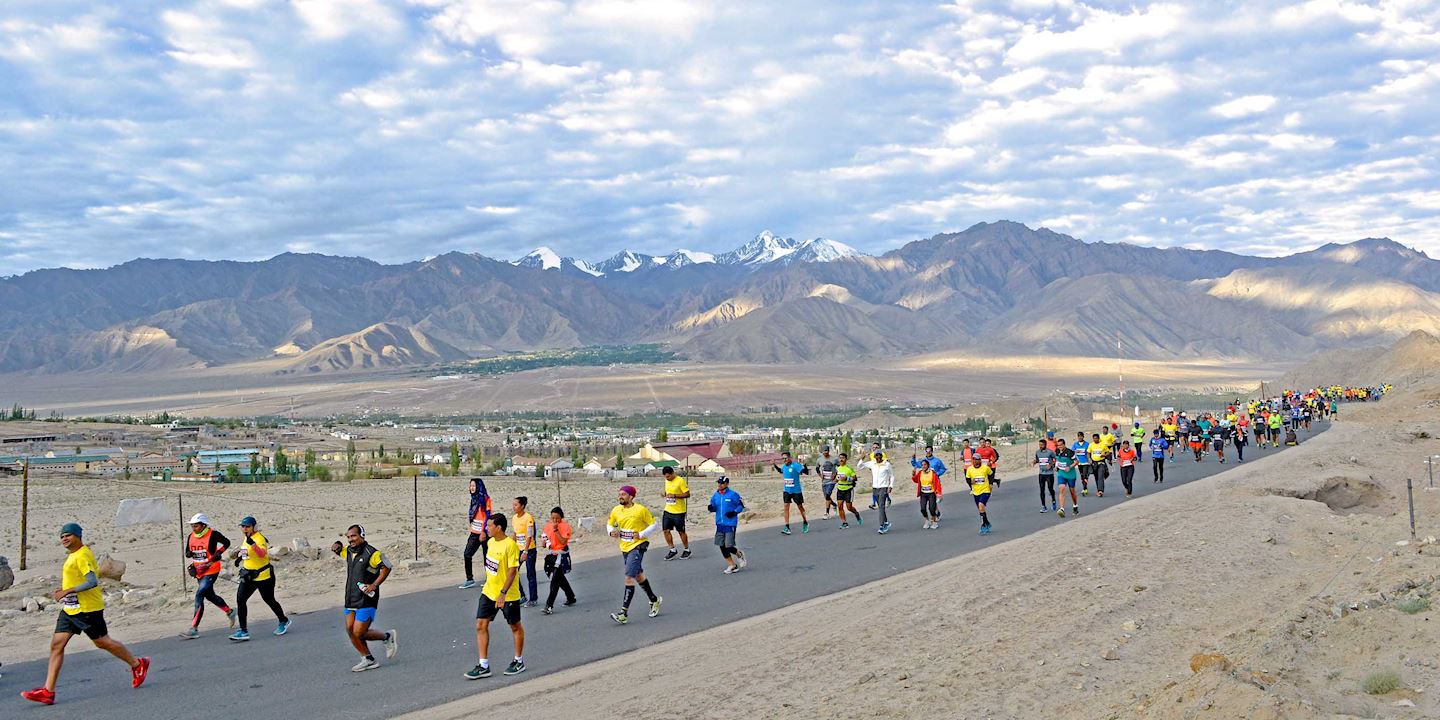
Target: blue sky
<point>399,129</point>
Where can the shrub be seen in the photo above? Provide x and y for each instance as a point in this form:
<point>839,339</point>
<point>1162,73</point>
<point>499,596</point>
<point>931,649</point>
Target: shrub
<point>1412,605</point>
<point>1382,682</point>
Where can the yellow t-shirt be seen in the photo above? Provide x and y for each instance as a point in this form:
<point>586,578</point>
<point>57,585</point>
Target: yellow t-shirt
<point>77,565</point>
<point>1109,441</point>
<point>500,557</point>
<point>251,561</point>
<point>979,478</point>
<point>630,521</point>
<point>525,531</point>
<point>676,486</point>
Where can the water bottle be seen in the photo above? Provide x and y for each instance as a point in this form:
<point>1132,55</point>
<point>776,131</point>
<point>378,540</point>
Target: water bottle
<point>361,585</point>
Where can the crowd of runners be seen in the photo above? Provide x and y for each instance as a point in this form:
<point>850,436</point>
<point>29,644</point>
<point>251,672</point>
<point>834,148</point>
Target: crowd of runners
<point>511,546</point>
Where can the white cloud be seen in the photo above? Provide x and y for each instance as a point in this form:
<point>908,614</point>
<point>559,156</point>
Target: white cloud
<point>1102,32</point>
<point>1244,106</point>
<point>334,19</point>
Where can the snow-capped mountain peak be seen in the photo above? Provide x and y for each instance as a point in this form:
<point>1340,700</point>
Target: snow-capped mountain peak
<point>541,257</point>
<point>765,248</point>
<point>682,257</point>
<point>623,262</point>
<point>821,250</point>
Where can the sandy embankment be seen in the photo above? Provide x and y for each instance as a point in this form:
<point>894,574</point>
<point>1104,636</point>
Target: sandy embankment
<point>1099,618</point>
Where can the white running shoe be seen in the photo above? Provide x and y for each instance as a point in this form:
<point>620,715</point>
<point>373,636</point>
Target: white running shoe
<point>740,559</point>
<point>365,664</point>
<point>392,643</point>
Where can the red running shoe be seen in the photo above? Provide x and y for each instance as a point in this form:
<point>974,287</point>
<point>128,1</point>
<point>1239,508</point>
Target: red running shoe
<point>138,673</point>
<point>40,695</point>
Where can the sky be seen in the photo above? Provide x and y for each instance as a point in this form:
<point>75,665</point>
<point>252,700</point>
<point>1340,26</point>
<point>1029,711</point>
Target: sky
<point>402,129</point>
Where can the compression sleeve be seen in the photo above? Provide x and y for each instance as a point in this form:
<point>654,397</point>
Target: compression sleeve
<point>646,532</point>
<point>90,582</point>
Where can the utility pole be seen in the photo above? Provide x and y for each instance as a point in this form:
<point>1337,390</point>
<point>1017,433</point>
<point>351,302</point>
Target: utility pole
<point>24,509</point>
<point>1120,369</point>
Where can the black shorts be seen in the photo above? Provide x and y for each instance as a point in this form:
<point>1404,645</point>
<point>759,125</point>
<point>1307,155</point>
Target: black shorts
<point>89,624</point>
<point>486,610</point>
<point>845,495</point>
<point>797,497</point>
<point>672,521</point>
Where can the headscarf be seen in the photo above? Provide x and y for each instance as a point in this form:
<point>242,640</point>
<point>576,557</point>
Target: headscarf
<point>479,498</point>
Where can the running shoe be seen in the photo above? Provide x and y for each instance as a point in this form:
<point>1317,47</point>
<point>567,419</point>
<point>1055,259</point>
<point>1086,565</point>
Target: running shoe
<point>672,554</point>
<point>730,569</point>
<point>1084,491</point>
<point>827,514</point>
<point>1044,509</point>
<point>477,672</point>
<point>859,520</point>
<point>785,530</point>
<point>741,560</point>
<point>805,527</point>
<point>233,617</point>
<point>1054,506</point>
<point>655,606</point>
<point>1060,512</point>
<point>190,634</point>
<point>139,672</point>
<point>284,627</point>
<point>239,636</point>
<point>548,610</point>
<point>39,695</point>
<point>368,663</point>
<point>685,554</point>
<point>620,618</point>
<point>926,525</point>
<point>1075,510</point>
<point>872,506</point>
<point>529,604</point>
<point>515,667</point>
<point>1099,493</point>
<point>570,602</point>
<point>466,585</point>
<point>845,526</point>
<point>392,643</point>
<point>984,529</point>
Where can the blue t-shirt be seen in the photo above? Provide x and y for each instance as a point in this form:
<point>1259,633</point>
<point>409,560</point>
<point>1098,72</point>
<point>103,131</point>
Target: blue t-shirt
<point>1158,446</point>
<point>1082,452</point>
<point>792,471</point>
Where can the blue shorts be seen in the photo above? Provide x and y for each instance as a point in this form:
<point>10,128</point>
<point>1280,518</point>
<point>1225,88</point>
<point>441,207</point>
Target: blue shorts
<point>1065,480</point>
<point>633,559</point>
<point>981,498</point>
<point>364,615</point>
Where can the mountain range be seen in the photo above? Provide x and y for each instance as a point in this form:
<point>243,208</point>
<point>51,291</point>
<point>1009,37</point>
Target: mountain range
<point>997,286</point>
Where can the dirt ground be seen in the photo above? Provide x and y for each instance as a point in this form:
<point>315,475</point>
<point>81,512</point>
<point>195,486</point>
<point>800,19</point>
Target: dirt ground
<point>1269,591</point>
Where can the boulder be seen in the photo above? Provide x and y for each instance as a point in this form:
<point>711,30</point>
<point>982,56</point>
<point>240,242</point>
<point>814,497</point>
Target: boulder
<point>415,564</point>
<point>281,551</point>
<point>1204,661</point>
<point>7,576</point>
<point>312,553</point>
<point>30,604</point>
<point>110,568</point>
<point>299,544</point>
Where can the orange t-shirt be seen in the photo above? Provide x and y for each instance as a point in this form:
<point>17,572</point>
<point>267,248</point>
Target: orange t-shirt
<point>558,535</point>
<point>1127,457</point>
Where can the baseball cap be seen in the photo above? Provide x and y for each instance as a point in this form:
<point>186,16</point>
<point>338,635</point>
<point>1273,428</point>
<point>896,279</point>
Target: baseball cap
<point>201,518</point>
<point>723,479</point>
<point>247,521</point>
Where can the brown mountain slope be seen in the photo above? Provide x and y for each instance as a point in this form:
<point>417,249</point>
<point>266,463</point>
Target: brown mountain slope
<point>380,345</point>
<point>808,328</point>
<point>1411,359</point>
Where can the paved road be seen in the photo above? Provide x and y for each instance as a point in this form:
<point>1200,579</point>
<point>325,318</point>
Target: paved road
<point>306,673</point>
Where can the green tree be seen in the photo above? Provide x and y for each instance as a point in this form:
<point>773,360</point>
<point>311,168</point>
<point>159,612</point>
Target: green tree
<point>949,443</point>
<point>282,463</point>
<point>382,452</point>
<point>254,467</point>
<point>309,457</point>
<point>619,459</point>
<point>662,436</point>
<point>189,464</point>
<point>454,458</point>
<point>785,440</point>
<point>127,468</point>
<point>847,442</point>
<point>232,473</point>
<point>349,459</point>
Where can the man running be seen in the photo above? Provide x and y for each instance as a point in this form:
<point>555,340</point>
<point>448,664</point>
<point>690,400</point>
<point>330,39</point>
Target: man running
<point>1197,440</point>
<point>1099,470</point>
<point>1082,461</point>
<point>557,558</point>
<point>845,477</point>
<point>977,476</point>
<point>875,448</point>
<point>1273,425</point>
<point>1219,436</point>
<point>727,506</point>
<point>1066,474</point>
<point>256,574</point>
<point>927,488</point>
<point>1158,447</point>
<point>882,482</point>
<point>365,570</point>
<point>794,492</point>
<point>825,467</point>
<point>478,516</point>
<point>525,540</point>
<point>205,547</point>
<point>1240,439</point>
<point>1170,433</point>
<point>672,518</point>
<point>991,456</point>
<point>1045,459</point>
<point>1137,436</point>
<point>1126,456</point>
<point>632,524</point>
<point>82,611</point>
<point>500,596</point>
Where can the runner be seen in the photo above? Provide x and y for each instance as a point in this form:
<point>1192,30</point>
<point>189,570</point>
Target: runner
<point>365,570</point>
<point>727,506</point>
<point>557,558</point>
<point>632,524</point>
<point>927,488</point>
<point>1099,469</point>
<point>794,492</point>
<point>1159,446</point>
<point>1126,456</point>
<point>1137,436</point>
<point>936,463</point>
<point>1107,441</point>
<point>1241,438</point>
<point>874,494</point>
<point>525,540</point>
<point>991,456</point>
<point>882,482</point>
<point>1066,473</point>
<point>205,547</point>
<point>478,516</point>
<point>1197,440</point>
<point>500,596</point>
<point>1045,459</point>
<point>1219,436</point>
<point>1273,424</point>
<point>1082,461</point>
<point>672,518</point>
<point>82,611</point>
<point>845,491</point>
<point>256,574</point>
<point>1170,433</point>
<point>825,467</point>
<point>977,476</point>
